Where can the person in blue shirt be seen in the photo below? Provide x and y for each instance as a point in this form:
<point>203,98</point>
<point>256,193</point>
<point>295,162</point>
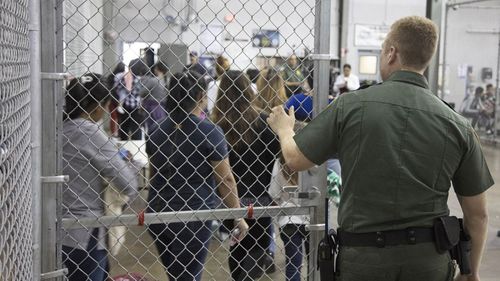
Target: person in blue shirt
<point>303,104</point>
<point>189,159</point>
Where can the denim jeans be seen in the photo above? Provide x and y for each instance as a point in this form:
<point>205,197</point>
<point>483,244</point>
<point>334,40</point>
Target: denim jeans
<point>293,236</point>
<point>91,264</point>
<point>183,248</point>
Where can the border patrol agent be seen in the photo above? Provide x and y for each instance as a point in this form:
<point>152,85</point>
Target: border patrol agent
<point>400,146</point>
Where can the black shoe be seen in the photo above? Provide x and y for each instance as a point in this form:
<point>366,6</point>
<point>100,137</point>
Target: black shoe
<point>268,263</point>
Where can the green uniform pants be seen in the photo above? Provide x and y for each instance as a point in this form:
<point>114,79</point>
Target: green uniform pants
<point>418,262</point>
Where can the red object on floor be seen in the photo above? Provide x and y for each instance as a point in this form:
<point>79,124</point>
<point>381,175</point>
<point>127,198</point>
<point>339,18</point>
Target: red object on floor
<point>130,277</point>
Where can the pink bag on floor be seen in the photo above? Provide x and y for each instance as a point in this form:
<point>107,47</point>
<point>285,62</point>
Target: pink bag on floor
<point>130,277</point>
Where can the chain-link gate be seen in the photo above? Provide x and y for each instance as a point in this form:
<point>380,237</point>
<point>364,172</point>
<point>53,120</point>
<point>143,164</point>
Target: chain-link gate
<point>16,222</point>
<point>165,140</point>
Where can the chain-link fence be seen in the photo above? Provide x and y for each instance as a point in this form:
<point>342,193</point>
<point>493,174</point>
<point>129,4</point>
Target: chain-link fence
<point>15,151</point>
<point>166,145</point>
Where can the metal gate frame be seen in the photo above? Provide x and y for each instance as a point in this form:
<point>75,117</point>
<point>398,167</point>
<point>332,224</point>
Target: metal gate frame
<point>51,63</point>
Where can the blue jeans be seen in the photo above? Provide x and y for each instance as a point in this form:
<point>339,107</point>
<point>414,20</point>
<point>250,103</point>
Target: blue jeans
<point>182,247</point>
<point>293,236</point>
<point>272,242</point>
<point>91,264</point>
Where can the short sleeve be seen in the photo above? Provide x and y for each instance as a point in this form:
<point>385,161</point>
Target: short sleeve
<point>218,145</point>
<point>472,176</point>
<point>319,140</point>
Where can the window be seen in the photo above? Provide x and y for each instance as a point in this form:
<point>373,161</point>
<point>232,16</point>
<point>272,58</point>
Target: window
<point>368,64</point>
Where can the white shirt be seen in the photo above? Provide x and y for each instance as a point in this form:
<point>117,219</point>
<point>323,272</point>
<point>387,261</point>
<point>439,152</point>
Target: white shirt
<point>212,90</point>
<point>352,82</point>
<point>276,192</point>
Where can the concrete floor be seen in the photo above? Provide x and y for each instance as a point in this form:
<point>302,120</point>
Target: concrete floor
<point>139,253</point>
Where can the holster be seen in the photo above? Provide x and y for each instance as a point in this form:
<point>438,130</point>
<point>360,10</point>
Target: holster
<point>461,251</point>
<point>450,236</point>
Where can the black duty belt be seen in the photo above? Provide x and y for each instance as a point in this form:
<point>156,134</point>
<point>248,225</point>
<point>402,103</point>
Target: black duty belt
<point>381,239</point>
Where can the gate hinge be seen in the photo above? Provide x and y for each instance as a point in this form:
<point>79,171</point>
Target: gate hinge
<point>54,274</point>
<point>292,192</point>
<point>55,179</point>
<point>54,76</point>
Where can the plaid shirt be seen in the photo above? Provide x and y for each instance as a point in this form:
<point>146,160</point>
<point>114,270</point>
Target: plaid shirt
<point>129,99</point>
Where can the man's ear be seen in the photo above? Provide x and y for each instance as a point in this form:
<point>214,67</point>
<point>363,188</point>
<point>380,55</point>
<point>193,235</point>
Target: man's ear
<point>393,55</point>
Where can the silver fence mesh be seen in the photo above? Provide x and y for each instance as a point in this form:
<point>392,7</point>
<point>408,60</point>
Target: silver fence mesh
<point>152,156</point>
<point>15,152</point>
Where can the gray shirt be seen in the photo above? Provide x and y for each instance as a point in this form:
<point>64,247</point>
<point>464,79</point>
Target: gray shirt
<point>89,157</point>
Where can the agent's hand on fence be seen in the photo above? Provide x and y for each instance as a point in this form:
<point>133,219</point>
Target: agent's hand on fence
<point>280,121</point>
<point>242,227</point>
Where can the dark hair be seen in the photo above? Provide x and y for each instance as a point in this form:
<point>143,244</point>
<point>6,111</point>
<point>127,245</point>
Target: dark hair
<point>253,74</point>
<point>138,67</point>
<point>185,90</point>
<point>84,94</point>
<point>160,66</point>
<point>479,90</point>
<point>119,68</point>
<point>489,86</point>
<point>347,65</point>
<point>233,110</point>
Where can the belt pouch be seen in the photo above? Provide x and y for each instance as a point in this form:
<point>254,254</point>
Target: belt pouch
<point>446,233</point>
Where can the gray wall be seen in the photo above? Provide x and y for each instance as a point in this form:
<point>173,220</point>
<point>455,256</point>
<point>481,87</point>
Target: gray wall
<point>374,12</point>
<point>478,49</point>
<point>291,18</point>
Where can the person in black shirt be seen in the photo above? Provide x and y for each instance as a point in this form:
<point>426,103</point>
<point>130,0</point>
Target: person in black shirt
<point>195,65</point>
<point>253,149</point>
<point>189,160</point>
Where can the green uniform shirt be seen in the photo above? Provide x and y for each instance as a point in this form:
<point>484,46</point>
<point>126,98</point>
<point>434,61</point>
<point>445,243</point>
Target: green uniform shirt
<point>292,75</point>
<point>399,147</point>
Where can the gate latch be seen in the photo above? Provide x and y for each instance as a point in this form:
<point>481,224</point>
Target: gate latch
<point>310,194</point>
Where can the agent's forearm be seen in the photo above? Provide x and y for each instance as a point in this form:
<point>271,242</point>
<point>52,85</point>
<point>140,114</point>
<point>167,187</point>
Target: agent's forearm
<point>294,158</point>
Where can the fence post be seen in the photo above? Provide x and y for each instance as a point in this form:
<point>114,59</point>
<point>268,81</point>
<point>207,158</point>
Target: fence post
<point>321,91</point>
<point>51,62</point>
<point>36,132</point>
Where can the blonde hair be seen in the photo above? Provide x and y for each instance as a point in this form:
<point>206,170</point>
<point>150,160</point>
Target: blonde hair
<point>416,40</point>
<point>221,65</point>
<point>271,90</point>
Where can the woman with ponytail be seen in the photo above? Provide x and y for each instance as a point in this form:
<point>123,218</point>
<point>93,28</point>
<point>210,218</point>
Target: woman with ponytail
<point>253,151</point>
<point>88,157</point>
<point>189,160</point>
